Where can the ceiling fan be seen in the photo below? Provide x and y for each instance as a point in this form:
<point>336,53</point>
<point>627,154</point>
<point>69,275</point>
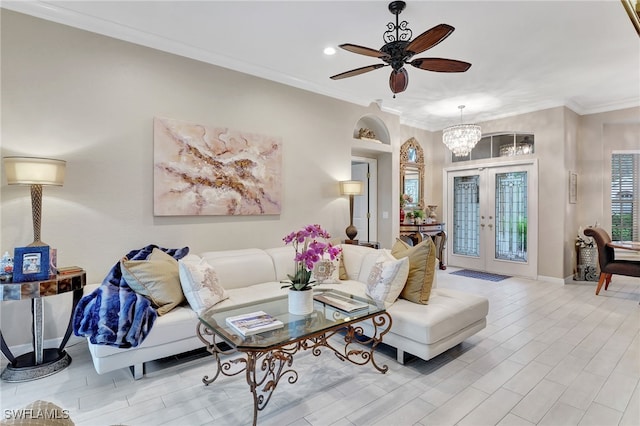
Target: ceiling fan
<point>399,49</point>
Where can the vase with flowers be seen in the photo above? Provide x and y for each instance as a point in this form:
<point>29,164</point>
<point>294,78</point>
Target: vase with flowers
<point>311,245</point>
<point>404,199</point>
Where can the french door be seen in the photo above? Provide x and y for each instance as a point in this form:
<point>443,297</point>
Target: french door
<point>492,218</point>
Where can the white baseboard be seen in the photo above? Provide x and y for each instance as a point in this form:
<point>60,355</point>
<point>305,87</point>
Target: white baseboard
<point>18,350</point>
<point>552,280</point>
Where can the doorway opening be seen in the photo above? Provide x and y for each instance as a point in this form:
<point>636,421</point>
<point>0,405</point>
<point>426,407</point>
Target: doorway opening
<point>365,207</point>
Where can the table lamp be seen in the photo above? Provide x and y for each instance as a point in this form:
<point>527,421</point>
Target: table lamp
<point>351,188</point>
<point>35,172</point>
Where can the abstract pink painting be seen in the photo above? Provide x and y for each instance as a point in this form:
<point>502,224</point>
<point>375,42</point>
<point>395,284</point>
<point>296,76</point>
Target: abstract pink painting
<point>205,170</point>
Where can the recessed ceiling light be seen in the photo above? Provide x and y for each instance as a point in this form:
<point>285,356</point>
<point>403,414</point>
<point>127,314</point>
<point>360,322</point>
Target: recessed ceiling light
<point>329,51</point>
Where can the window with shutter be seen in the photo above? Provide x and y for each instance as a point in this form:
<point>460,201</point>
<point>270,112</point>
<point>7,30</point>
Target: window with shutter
<point>625,202</point>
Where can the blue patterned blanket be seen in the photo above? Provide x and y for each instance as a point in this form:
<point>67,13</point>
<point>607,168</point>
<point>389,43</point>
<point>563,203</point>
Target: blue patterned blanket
<point>114,314</point>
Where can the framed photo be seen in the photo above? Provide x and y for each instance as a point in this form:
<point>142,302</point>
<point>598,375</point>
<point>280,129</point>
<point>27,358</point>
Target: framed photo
<point>573,187</point>
<point>31,263</point>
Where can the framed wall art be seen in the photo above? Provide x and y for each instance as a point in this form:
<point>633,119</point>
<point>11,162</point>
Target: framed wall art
<point>31,263</point>
<point>207,170</point>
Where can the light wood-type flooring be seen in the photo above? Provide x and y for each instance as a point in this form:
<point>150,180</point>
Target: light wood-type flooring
<point>551,355</point>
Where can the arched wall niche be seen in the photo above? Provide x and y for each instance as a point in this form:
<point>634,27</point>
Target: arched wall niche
<point>376,125</point>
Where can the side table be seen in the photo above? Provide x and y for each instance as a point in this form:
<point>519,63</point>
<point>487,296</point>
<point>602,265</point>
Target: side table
<point>41,362</point>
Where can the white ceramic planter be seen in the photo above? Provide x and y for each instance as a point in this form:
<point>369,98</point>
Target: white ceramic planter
<point>300,302</point>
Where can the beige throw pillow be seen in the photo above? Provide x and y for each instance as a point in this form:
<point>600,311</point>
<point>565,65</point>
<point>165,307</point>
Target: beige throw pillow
<point>421,269</point>
<point>200,283</point>
<point>156,278</point>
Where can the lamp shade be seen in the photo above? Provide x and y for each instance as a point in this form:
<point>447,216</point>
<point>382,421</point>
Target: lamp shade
<point>34,171</point>
<point>351,187</point>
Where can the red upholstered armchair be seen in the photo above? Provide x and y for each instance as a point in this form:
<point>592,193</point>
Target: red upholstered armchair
<point>606,258</point>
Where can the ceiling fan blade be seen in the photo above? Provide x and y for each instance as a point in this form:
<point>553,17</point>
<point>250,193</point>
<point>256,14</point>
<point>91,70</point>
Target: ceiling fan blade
<point>429,38</point>
<point>357,71</point>
<point>363,50</point>
<point>440,65</point>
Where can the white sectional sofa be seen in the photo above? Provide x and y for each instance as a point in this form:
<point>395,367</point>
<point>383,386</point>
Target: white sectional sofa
<point>255,274</point>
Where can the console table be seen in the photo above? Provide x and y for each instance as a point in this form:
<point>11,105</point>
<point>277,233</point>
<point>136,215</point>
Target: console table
<point>372,244</point>
<point>437,232</point>
<point>41,362</point>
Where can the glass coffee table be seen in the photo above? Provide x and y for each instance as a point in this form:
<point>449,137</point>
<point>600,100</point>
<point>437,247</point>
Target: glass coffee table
<point>268,356</point>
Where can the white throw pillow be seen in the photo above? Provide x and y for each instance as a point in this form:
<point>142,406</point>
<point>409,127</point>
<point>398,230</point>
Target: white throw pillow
<point>387,278</point>
<point>200,283</point>
<point>327,271</point>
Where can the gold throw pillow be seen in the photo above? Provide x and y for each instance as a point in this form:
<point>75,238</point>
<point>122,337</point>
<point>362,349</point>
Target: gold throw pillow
<point>421,269</point>
<point>156,278</point>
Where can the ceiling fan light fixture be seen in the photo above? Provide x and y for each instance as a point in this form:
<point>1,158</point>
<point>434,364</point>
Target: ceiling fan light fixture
<point>461,138</point>
<point>398,81</point>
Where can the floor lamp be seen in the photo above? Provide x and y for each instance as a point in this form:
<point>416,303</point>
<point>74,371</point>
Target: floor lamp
<point>351,188</point>
<point>36,172</point>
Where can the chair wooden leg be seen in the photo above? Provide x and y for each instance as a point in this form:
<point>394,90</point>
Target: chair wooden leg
<point>606,284</point>
<point>600,282</point>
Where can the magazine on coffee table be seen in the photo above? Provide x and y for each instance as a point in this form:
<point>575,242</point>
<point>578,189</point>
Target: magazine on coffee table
<point>339,301</point>
<point>254,323</point>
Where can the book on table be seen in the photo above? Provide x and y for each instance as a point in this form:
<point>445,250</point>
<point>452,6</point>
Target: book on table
<point>254,323</point>
<point>66,270</point>
<point>344,303</point>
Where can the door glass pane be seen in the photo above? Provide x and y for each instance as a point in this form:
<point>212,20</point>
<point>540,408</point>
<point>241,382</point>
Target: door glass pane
<point>466,215</point>
<point>511,216</point>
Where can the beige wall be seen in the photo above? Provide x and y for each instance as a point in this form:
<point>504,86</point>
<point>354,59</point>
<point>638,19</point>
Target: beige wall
<point>571,125</point>
<point>600,135</point>
<point>91,100</point>
<point>548,128</point>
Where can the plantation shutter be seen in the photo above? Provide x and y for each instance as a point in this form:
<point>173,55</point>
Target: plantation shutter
<point>625,196</point>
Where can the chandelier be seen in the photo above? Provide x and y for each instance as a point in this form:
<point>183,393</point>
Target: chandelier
<point>461,138</point>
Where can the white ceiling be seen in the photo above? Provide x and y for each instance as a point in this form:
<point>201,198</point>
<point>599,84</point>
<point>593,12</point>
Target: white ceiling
<point>526,55</point>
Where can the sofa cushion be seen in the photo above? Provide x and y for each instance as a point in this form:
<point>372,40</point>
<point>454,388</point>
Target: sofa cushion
<point>199,283</point>
<point>352,256</point>
<point>241,268</point>
<point>386,278</point>
<point>283,263</point>
<point>448,312</point>
<point>422,261</point>
<point>156,278</point>
<point>251,294</point>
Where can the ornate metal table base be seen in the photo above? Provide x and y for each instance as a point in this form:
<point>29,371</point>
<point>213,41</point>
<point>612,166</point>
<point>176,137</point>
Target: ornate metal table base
<point>265,368</point>
<point>25,369</point>
<point>41,362</point>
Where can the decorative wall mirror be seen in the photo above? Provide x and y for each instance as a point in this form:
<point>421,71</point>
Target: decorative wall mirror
<point>412,174</point>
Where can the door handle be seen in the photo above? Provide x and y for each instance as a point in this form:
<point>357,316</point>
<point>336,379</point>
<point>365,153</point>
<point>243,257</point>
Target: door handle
<point>482,225</point>
<point>490,226</point>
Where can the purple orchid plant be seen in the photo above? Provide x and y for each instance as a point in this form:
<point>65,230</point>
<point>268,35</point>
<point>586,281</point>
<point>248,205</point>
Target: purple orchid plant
<point>309,250</point>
